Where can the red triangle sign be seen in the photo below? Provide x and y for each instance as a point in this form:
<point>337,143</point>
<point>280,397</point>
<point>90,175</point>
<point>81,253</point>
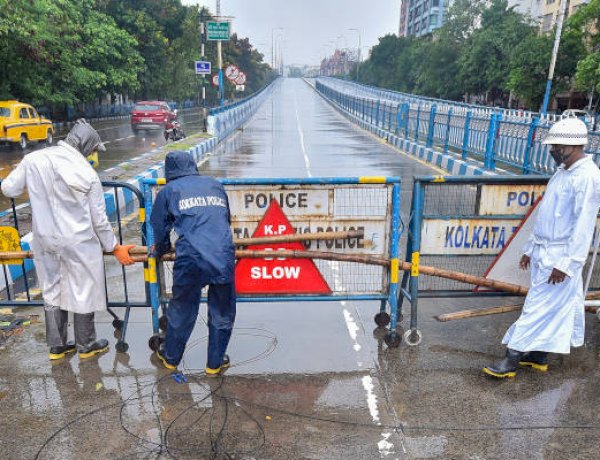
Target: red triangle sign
<point>276,275</point>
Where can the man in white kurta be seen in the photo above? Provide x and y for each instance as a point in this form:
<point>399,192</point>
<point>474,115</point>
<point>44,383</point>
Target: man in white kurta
<point>70,231</point>
<point>553,316</point>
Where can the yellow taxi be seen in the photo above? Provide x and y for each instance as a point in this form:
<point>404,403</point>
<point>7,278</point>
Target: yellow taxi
<point>21,124</point>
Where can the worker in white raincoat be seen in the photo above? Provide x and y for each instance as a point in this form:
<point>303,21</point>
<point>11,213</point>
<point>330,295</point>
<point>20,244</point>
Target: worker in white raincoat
<point>552,320</point>
<point>70,231</point>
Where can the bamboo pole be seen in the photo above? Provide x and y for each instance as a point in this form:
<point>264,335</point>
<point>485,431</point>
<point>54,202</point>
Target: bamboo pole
<point>139,254</point>
<point>464,314</point>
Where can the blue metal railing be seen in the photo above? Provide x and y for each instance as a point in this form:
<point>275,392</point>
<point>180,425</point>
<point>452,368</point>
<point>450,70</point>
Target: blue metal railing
<point>485,135</point>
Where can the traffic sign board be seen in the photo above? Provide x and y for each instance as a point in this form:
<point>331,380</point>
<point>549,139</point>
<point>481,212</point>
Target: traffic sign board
<point>202,67</point>
<point>217,30</point>
<point>215,80</point>
<point>241,79</point>
<point>232,72</point>
<point>278,275</point>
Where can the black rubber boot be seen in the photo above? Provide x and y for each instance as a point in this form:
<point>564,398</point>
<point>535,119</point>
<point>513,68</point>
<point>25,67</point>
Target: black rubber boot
<point>99,346</point>
<point>61,351</point>
<point>506,368</point>
<point>537,360</point>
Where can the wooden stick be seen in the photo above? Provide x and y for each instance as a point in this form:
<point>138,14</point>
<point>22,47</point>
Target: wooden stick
<point>463,314</point>
<point>139,256</point>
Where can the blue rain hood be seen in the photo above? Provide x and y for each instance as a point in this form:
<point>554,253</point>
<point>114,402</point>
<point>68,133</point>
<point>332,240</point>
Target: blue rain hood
<point>179,164</point>
<point>197,209</point>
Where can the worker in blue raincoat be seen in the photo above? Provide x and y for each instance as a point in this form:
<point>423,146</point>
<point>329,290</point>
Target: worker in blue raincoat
<point>197,209</point>
<point>552,320</point>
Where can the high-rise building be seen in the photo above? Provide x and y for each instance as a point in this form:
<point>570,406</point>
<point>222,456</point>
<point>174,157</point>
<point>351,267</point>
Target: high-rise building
<point>532,8</point>
<point>421,17</point>
<point>552,9</point>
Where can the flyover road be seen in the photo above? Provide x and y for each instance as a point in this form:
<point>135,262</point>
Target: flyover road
<point>309,380</point>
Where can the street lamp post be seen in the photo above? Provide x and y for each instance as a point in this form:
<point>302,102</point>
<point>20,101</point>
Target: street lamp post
<point>220,61</point>
<point>273,45</point>
<point>559,24</point>
<point>358,54</point>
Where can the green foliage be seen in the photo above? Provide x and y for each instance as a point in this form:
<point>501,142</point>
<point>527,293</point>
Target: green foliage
<point>487,49</point>
<point>485,60</point>
<point>587,21</point>
<point>63,52</point>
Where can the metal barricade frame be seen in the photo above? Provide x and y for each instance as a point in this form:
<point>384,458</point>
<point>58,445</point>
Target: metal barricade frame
<point>410,288</point>
<point>389,297</point>
<point>124,195</point>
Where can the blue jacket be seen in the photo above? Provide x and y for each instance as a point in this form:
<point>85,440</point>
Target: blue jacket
<point>198,209</point>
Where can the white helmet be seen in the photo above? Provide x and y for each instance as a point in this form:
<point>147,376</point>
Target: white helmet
<point>570,131</point>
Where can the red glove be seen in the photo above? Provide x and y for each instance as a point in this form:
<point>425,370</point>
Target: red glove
<point>121,253</point>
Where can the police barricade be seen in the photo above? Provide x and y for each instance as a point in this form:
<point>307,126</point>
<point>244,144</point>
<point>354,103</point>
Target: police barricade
<point>462,224</point>
<point>125,287</point>
<point>351,265</point>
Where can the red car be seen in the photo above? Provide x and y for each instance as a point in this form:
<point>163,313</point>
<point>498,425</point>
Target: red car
<point>151,115</point>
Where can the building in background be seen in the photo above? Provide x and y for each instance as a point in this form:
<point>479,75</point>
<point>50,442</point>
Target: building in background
<point>340,63</point>
<point>532,8</point>
<point>421,17</point>
<point>551,8</point>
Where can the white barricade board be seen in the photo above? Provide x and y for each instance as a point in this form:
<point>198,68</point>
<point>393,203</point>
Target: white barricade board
<point>497,214</point>
<point>300,209</point>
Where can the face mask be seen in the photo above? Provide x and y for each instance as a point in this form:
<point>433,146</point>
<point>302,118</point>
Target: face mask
<point>559,155</point>
<point>93,159</point>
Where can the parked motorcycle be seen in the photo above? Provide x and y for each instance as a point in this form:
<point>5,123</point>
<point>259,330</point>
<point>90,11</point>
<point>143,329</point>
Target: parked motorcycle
<point>173,131</point>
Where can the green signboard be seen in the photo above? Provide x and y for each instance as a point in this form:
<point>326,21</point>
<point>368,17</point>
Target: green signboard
<point>217,30</point>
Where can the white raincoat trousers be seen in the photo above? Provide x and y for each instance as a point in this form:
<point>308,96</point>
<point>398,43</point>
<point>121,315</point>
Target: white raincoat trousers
<point>553,318</point>
<point>70,226</point>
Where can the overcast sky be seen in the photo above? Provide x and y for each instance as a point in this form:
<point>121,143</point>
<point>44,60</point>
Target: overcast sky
<point>312,28</point>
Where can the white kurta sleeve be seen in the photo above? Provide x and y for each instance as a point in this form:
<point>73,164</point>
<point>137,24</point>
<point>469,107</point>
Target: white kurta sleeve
<point>587,201</point>
<point>528,246</point>
<point>14,184</point>
<point>100,221</point>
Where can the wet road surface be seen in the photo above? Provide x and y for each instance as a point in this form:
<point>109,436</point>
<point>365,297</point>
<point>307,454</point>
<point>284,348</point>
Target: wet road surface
<point>309,380</point>
<point>120,140</point>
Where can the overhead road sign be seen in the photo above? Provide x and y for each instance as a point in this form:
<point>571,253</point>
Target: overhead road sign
<point>217,30</point>
<point>202,67</point>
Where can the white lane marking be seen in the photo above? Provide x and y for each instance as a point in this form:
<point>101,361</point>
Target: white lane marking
<point>367,382</point>
<point>302,145</point>
<point>352,329</point>
<point>385,447</point>
<point>119,139</point>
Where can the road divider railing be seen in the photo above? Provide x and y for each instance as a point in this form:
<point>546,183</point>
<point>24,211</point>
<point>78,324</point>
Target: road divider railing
<point>486,137</point>
<point>222,121</point>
